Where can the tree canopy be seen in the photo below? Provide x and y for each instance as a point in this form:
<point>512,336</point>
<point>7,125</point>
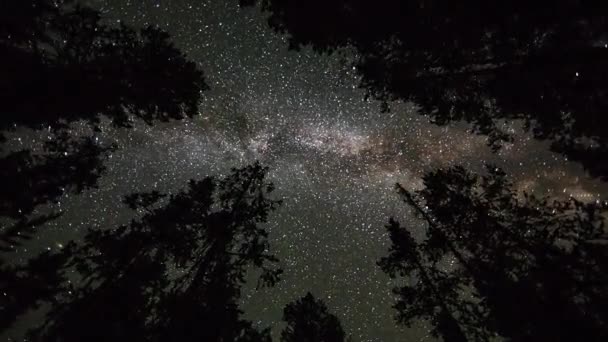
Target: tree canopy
<point>309,320</point>
<point>174,273</point>
<point>29,180</point>
<point>60,63</point>
<point>494,263</point>
<point>543,62</point>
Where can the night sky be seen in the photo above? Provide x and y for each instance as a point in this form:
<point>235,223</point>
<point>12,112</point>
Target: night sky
<point>333,156</point>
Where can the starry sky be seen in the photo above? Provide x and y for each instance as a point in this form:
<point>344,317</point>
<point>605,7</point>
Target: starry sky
<point>334,158</point>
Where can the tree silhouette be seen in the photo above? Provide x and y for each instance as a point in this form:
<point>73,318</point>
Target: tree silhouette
<point>26,287</point>
<point>308,320</point>
<point>540,61</point>
<point>59,64</point>
<point>29,180</point>
<point>173,274</point>
<point>495,264</point>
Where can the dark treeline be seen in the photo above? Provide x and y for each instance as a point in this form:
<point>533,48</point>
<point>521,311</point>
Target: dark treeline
<point>492,263</point>
<point>59,64</point>
<point>496,263</point>
<point>544,62</point>
<point>174,273</point>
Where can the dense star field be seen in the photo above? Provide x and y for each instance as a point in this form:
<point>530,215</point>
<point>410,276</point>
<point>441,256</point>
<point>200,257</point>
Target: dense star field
<point>333,155</point>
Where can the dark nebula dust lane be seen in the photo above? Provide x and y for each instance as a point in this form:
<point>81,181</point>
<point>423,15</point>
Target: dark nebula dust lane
<point>333,156</point>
